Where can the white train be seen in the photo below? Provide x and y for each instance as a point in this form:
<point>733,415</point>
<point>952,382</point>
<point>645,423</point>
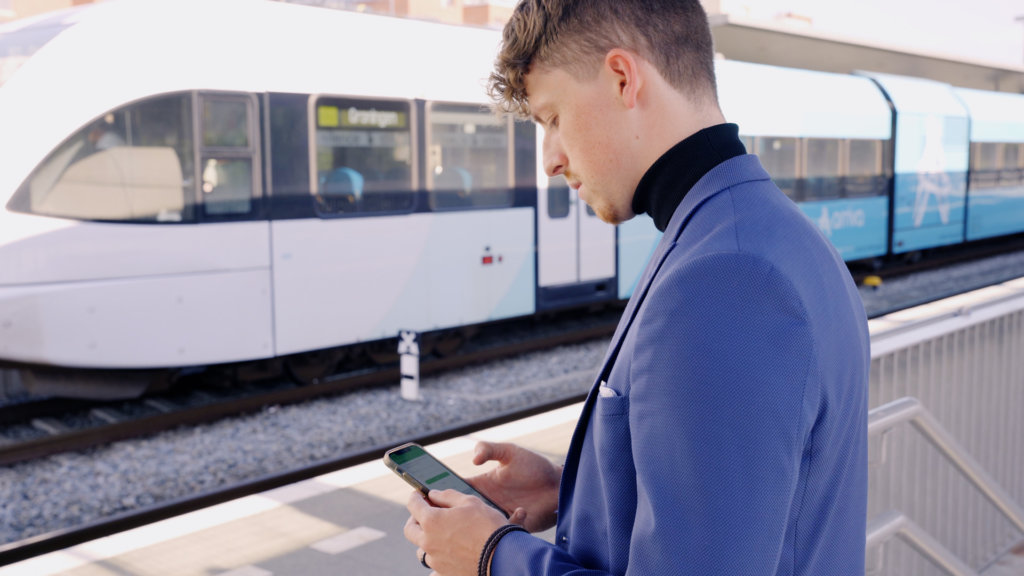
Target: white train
<point>188,183</point>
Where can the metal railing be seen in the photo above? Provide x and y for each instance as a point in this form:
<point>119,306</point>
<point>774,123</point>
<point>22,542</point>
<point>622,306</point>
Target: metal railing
<point>964,359</point>
<point>895,524</point>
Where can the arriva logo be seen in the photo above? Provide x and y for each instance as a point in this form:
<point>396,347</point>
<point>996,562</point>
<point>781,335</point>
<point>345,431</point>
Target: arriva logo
<point>848,218</point>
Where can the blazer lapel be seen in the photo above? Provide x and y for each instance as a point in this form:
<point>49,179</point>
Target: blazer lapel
<point>576,446</point>
<point>726,174</point>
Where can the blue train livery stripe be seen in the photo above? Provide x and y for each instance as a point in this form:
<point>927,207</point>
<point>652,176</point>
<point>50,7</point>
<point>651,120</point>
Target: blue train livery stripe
<point>995,212</point>
<point>858,228</point>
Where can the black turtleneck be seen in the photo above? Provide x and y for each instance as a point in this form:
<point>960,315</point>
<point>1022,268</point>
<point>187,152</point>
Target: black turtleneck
<point>670,177</point>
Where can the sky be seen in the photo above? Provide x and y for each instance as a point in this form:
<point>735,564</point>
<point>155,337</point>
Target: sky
<point>967,29</point>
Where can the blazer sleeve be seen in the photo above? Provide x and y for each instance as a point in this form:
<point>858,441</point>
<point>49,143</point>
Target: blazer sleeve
<point>722,394</point>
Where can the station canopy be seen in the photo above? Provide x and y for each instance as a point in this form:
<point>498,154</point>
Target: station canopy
<point>738,38</point>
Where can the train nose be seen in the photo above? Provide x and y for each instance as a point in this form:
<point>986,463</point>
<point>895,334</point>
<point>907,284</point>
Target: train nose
<point>7,239</point>
<point>26,244</point>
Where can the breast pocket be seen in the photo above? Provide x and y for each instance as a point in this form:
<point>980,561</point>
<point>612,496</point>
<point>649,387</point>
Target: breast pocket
<point>610,402</point>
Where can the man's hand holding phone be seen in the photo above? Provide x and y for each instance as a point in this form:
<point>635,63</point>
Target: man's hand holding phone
<point>524,482</point>
<point>451,525</point>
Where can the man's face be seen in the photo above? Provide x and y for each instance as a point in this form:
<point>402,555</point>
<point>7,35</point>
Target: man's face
<point>584,138</point>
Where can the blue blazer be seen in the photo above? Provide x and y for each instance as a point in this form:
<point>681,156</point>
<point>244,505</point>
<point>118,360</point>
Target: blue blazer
<point>730,437</point>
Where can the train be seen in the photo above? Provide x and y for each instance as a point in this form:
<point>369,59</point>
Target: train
<point>204,183</point>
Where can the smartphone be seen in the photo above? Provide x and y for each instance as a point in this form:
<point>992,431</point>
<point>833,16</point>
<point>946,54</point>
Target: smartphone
<point>425,473</point>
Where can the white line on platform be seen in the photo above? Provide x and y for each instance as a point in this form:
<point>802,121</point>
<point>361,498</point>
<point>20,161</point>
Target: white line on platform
<point>348,540</point>
<point>247,571</point>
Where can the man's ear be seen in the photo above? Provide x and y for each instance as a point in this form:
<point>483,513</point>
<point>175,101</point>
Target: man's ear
<point>624,69</point>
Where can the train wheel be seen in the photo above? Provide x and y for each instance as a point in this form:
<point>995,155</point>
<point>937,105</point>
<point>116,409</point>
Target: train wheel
<point>311,367</point>
<point>448,344</point>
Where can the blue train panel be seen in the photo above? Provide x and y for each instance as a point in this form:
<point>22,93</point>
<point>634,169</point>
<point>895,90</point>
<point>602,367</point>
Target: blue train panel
<point>995,212</point>
<point>930,191</point>
<point>929,210</point>
<point>931,139</point>
<point>638,238</point>
<point>858,228</point>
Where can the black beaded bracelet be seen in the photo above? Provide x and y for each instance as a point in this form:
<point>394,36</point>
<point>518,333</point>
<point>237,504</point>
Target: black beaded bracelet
<point>492,543</point>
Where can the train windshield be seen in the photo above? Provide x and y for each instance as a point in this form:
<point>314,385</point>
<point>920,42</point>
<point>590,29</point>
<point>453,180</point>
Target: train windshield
<point>19,41</point>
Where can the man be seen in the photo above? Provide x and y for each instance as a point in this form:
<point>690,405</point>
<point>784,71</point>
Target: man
<point>727,430</point>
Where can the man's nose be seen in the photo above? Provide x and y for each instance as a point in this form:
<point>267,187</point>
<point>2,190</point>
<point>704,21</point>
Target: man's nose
<point>554,157</point>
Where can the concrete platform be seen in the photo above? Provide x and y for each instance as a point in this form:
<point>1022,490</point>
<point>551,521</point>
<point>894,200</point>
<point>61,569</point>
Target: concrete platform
<point>348,522</point>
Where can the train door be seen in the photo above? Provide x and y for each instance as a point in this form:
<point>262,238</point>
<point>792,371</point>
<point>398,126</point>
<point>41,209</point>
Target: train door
<point>228,157</point>
<point>930,163</point>
<point>576,250</point>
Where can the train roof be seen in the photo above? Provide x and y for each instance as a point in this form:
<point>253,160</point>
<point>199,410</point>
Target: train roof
<point>769,100</point>
<point>995,116</point>
<point>919,96</point>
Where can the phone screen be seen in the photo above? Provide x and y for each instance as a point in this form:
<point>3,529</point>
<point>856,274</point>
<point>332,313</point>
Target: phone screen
<point>428,472</point>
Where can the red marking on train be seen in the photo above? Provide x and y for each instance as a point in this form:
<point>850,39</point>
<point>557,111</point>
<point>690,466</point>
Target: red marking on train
<point>488,259</point>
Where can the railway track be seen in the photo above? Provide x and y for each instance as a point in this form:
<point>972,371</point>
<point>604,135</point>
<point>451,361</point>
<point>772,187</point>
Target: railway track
<point>96,423</point>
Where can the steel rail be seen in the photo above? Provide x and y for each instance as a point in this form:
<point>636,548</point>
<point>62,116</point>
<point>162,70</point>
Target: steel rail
<point>191,416</point>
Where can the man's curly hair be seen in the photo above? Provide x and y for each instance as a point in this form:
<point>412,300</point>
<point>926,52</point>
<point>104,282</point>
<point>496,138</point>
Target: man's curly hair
<point>575,35</point>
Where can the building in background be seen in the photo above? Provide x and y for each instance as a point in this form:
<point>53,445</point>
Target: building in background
<point>12,9</point>
<point>490,13</point>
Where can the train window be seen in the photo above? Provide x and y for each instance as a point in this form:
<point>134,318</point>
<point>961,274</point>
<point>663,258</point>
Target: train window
<point>865,158</point>
<point>227,186</point>
<point>469,159</point>
<point>364,158</point>
<point>228,155</point>
<point>558,197</point>
<point>225,123</point>
<point>1010,174</point>
<point>864,174</point>
<point>779,158</point>
<point>132,164</point>
<point>525,154</point>
<point>289,155</point>
<point>748,143</point>
<point>986,158</point>
<point>822,166</point>
<point>1009,156</point>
